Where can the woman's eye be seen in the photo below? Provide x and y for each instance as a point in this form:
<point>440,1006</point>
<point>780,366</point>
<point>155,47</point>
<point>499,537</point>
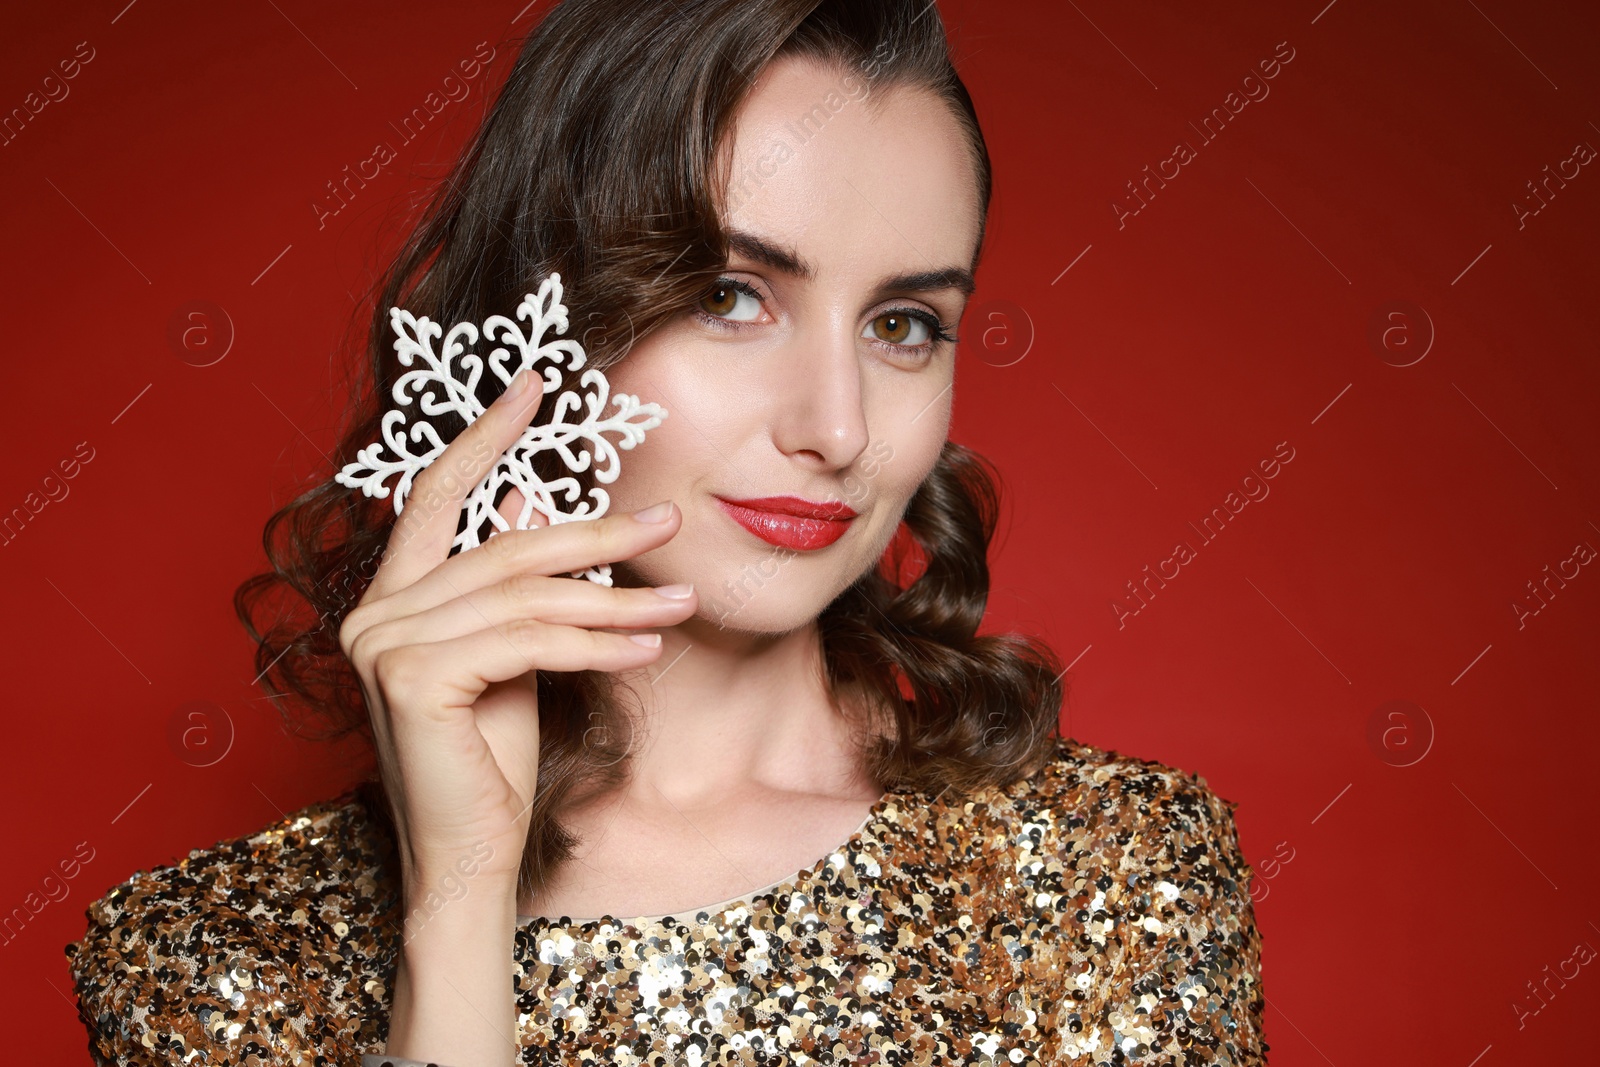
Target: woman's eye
<point>723,302</point>
<point>898,328</point>
<point>912,332</point>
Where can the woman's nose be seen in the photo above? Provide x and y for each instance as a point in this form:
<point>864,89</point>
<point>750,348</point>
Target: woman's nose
<point>819,405</point>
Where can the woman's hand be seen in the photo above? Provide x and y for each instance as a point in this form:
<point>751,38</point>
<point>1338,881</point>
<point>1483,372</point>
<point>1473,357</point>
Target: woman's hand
<point>446,650</point>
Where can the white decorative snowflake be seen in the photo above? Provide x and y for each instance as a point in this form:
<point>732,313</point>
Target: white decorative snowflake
<point>403,427</point>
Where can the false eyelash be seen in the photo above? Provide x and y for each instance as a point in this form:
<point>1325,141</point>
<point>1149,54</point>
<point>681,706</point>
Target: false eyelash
<point>939,330</point>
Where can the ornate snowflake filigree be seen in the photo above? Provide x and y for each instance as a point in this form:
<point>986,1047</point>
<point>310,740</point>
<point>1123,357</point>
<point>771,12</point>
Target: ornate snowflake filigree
<point>438,389</point>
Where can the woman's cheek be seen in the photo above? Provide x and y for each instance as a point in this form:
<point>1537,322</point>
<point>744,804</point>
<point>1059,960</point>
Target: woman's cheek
<point>917,458</point>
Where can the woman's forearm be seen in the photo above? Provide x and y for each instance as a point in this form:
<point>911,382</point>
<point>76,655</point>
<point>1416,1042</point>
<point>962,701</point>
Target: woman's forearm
<point>454,1002</point>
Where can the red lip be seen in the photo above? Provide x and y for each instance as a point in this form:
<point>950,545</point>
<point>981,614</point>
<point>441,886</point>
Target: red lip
<point>794,505</point>
<point>790,522</point>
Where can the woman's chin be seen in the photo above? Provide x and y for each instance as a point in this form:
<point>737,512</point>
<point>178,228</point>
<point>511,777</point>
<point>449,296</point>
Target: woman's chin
<point>769,593</point>
<point>772,614</point>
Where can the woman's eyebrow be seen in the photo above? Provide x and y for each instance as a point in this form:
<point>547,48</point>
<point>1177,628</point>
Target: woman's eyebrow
<point>770,254</point>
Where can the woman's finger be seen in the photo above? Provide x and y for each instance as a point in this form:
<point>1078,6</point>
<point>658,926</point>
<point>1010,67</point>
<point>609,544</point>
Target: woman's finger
<point>425,529</point>
<point>442,679</point>
<point>563,601</point>
<point>555,550</point>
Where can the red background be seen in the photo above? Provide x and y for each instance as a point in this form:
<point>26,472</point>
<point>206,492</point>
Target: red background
<point>1414,874</point>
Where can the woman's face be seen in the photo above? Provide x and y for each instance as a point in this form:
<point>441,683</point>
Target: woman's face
<point>815,368</point>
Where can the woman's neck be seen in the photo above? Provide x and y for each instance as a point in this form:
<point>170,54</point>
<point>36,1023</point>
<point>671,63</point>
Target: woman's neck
<point>722,711</point>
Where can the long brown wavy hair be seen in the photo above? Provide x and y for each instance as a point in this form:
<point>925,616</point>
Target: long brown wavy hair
<point>599,159</point>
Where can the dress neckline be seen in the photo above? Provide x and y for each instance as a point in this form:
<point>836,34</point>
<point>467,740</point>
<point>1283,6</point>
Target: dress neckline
<point>852,843</point>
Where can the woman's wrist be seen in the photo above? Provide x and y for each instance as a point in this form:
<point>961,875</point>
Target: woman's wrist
<point>433,890</point>
<point>454,998</point>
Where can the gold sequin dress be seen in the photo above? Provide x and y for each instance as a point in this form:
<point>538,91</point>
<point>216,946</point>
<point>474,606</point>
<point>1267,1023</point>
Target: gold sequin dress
<point>1095,912</point>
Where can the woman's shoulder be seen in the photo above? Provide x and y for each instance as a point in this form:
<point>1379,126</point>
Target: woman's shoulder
<point>231,943</point>
<point>1103,784</point>
<point>1086,806</point>
<point>295,863</point>
<point>1117,886</point>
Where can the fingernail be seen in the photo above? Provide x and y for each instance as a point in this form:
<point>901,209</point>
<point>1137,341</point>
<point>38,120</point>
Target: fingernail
<point>647,640</point>
<point>676,591</point>
<point>518,388</point>
<point>655,513</point>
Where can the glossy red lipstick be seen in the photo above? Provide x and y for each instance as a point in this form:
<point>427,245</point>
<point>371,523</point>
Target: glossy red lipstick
<point>789,521</point>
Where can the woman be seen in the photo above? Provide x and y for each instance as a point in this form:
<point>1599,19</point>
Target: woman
<point>768,215</point>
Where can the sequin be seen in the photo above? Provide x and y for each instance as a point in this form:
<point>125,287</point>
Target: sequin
<point>1095,912</point>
